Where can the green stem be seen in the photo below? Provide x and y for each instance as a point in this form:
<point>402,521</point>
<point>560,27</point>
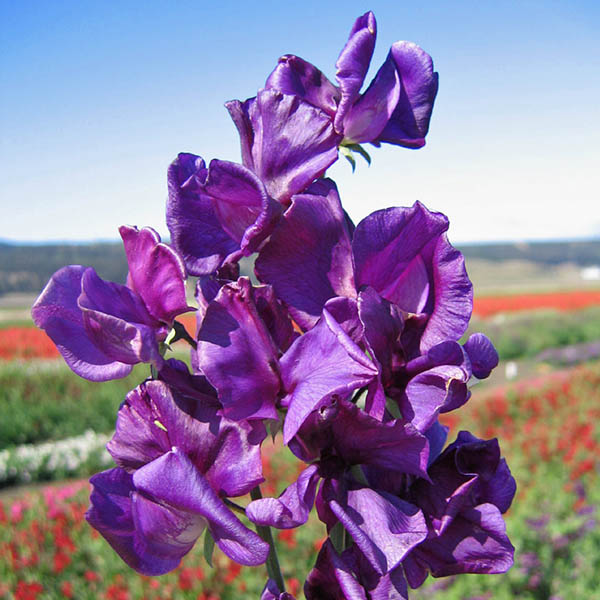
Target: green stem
<point>235,507</point>
<point>273,568</point>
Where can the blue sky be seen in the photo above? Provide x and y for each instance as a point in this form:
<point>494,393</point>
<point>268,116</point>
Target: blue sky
<point>99,97</point>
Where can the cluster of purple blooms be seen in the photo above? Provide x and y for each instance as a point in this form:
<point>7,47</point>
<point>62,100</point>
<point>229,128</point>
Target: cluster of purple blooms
<point>349,344</point>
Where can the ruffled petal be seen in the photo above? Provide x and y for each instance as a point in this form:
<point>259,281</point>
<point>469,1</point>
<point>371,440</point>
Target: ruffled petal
<point>156,271</point>
<point>308,258</point>
<point>409,122</point>
<point>237,355</point>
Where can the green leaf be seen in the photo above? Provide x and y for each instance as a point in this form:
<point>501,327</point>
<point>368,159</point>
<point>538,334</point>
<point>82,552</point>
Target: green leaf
<point>209,546</point>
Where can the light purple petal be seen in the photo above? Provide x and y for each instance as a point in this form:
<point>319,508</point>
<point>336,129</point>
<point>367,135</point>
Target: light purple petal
<point>196,232</point>
<point>237,355</point>
<point>321,365</point>
<point>409,123</point>
<point>292,507</point>
<point>173,479</point>
<point>369,115</point>
<point>271,592</point>
<point>308,258</point>
<point>440,389</point>
<point>56,312</point>
<point>297,77</point>
<point>157,273</point>
<point>353,63</point>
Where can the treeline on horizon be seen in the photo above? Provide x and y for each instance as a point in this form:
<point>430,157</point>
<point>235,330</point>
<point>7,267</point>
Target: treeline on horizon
<point>27,268</point>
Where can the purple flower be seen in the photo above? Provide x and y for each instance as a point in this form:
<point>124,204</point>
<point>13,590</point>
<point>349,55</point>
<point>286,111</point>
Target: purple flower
<point>470,487</point>
<point>395,108</point>
<point>177,461</point>
<point>217,214</point>
<point>350,575</point>
<point>101,328</point>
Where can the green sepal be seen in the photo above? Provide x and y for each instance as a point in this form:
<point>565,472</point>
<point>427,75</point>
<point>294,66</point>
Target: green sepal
<point>347,154</point>
<point>209,546</point>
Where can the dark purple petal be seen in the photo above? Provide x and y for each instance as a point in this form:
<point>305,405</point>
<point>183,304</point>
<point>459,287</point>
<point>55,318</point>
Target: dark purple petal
<point>360,439</point>
<point>56,312</point>
<point>436,435</point>
<point>409,123</point>
<point>332,579</point>
<point>353,63</point>
<point>297,77</point>
<point>237,354</point>
<point>275,317</point>
<point>271,592</point>
<point>244,209</point>
<point>292,142</point>
<point>150,538</point>
<point>383,325</point>
<point>308,258</point>
<point>196,231</point>
<point>384,527</point>
<point>321,365</point>
<point>292,507</point>
<point>482,354</point>
<point>157,273</point>
<point>475,542</point>
<point>173,479</point>
<point>244,115</point>
<point>367,118</point>
<point>387,246</point>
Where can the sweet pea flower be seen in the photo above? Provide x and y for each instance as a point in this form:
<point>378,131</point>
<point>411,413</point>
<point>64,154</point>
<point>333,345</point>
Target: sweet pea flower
<point>395,108</point>
<point>101,328</point>
<point>177,462</point>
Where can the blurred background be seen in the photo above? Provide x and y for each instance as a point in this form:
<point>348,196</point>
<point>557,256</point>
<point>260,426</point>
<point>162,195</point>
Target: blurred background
<point>99,97</point>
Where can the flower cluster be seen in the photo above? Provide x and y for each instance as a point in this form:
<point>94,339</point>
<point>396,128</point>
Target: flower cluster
<point>349,344</point>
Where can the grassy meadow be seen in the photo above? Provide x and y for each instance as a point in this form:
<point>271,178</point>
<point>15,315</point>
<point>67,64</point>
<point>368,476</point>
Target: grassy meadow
<point>544,409</point>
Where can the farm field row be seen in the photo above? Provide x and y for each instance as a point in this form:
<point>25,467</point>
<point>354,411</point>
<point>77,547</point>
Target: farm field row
<point>548,431</point>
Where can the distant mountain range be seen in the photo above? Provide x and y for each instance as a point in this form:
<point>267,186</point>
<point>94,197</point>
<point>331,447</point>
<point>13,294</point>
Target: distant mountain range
<point>27,267</point>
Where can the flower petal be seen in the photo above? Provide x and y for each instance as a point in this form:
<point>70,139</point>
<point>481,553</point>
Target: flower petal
<point>409,123</point>
<point>156,271</point>
<point>308,259</point>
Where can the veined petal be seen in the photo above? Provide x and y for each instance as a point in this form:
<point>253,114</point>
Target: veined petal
<point>353,63</point>
<point>297,77</point>
<point>482,354</point>
<point>409,122</point>
<point>322,365</point>
<point>241,203</point>
<point>385,245</point>
<point>156,271</point>
<point>174,480</point>
<point>384,527</point>
<point>237,354</point>
<point>292,142</point>
<point>308,258</point>
<point>292,507</point>
<point>196,232</point>
<point>150,538</point>
<point>56,312</point>
<point>367,118</point>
